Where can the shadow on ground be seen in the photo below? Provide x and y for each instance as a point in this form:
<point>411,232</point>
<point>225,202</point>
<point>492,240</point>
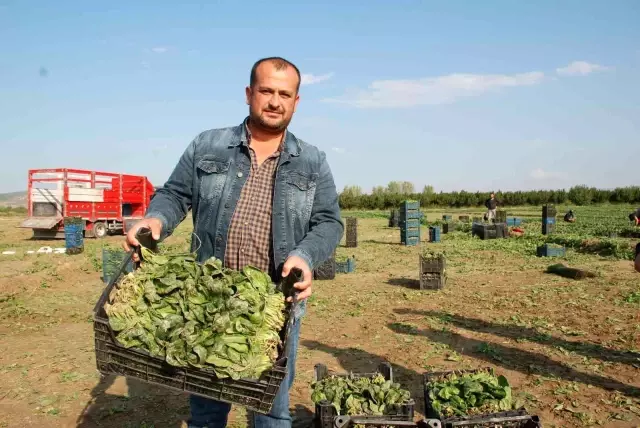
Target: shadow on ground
<point>411,283</point>
<point>514,332</point>
<point>514,359</point>
<point>373,241</point>
<point>144,405</point>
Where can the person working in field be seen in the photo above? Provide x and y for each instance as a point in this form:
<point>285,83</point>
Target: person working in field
<point>492,206</point>
<point>635,217</point>
<point>260,196</point>
<point>570,217</point>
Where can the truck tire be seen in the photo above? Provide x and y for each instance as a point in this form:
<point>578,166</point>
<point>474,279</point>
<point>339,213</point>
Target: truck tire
<point>99,230</point>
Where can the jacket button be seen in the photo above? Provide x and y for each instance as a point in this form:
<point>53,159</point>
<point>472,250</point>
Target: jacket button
<point>239,174</point>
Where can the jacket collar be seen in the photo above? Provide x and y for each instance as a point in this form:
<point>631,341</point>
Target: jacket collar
<point>291,143</point>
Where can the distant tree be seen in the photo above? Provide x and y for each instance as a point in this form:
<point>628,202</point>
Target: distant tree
<point>394,188</point>
<point>378,190</point>
<point>406,188</point>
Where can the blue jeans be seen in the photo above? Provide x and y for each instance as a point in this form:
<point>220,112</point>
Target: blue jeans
<point>206,413</point>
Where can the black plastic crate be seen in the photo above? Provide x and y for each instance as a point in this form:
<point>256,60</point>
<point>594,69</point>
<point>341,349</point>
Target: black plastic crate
<point>516,418</point>
<point>352,232</point>
<point>447,227</point>
<point>375,421</point>
<point>432,265</point>
<point>255,394</point>
<point>502,230</point>
<point>326,416</point>
<point>463,218</point>
<point>499,420</point>
<point>432,281</point>
<point>490,231</point>
<point>326,270</point>
<point>394,218</point>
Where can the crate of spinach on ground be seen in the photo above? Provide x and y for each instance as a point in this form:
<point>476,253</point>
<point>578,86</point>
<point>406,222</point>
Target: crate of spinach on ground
<point>473,398</point>
<point>359,394</point>
<point>196,327</point>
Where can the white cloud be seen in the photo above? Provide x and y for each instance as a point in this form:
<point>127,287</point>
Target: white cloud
<point>580,68</point>
<point>541,174</point>
<point>433,90</point>
<point>310,79</point>
<point>159,49</point>
<point>339,150</point>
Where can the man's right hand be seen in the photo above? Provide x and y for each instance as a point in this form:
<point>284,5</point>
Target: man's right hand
<point>154,224</point>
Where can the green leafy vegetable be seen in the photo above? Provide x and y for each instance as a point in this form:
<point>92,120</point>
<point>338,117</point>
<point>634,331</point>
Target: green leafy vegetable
<point>352,395</point>
<point>200,315</point>
<point>470,394</point>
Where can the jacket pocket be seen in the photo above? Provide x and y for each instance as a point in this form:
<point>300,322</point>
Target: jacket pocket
<point>212,175</point>
<point>301,190</point>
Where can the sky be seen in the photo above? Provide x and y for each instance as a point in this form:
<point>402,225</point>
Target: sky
<point>491,95</point>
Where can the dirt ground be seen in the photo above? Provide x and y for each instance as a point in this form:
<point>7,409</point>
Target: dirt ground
<point>570,349</point>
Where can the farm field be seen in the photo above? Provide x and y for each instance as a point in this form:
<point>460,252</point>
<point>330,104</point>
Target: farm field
<point>570,349</point>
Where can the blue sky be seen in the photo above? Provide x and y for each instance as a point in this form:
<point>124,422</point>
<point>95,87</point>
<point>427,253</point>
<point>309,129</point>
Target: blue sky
<point>457,94</point>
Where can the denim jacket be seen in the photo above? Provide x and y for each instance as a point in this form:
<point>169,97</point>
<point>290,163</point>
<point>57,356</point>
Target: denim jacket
<point>209,177</point>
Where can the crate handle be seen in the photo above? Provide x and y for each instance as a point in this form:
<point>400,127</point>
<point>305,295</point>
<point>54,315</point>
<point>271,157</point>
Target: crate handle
<point>295,275</point>
<point>348,421</point>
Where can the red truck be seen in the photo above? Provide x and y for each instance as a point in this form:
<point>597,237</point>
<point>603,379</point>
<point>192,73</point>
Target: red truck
<point>108,202</point>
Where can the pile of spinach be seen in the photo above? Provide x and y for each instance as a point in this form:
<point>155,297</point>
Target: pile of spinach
<point>355,396</point>
<point>200,315</point>
<point>469,394</point>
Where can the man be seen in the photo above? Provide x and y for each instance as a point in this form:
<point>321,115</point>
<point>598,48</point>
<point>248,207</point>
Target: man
<point>492,206</point>
<point>570,217</point>
<point>259,196</point>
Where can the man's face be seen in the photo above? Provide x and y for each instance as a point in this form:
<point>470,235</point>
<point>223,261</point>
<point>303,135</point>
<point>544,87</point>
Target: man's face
<point>493,196</point>
<point>273,98</point>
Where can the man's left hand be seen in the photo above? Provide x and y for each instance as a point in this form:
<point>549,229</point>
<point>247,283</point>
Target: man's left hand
<point>305,285</point>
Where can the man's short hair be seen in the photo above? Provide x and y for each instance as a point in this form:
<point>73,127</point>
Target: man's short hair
<point>279,64</point>
<point>632,216</point>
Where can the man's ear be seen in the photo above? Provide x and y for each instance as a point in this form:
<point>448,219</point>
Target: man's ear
<point>247,94</point>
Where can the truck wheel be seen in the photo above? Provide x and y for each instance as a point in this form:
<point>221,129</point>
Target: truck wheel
<point>99,230</point>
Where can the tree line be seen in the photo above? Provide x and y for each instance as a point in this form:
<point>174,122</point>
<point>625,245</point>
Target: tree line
<point>395,192</point>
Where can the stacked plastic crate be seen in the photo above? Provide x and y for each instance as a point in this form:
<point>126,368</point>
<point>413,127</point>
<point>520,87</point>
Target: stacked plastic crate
<point>410,222</point>
<point>434,234</point>
<point>394,218</point>
<point>352,232</point>
<point>326,270</point>
<point>548,219</point>
<point>432,271</point>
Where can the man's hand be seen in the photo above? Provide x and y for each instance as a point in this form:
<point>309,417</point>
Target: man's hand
<point>154,224</point>
<point>307,277</point>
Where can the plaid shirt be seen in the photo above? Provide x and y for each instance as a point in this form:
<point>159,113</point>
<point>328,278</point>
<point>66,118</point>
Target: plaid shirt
<point>249,237</point>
